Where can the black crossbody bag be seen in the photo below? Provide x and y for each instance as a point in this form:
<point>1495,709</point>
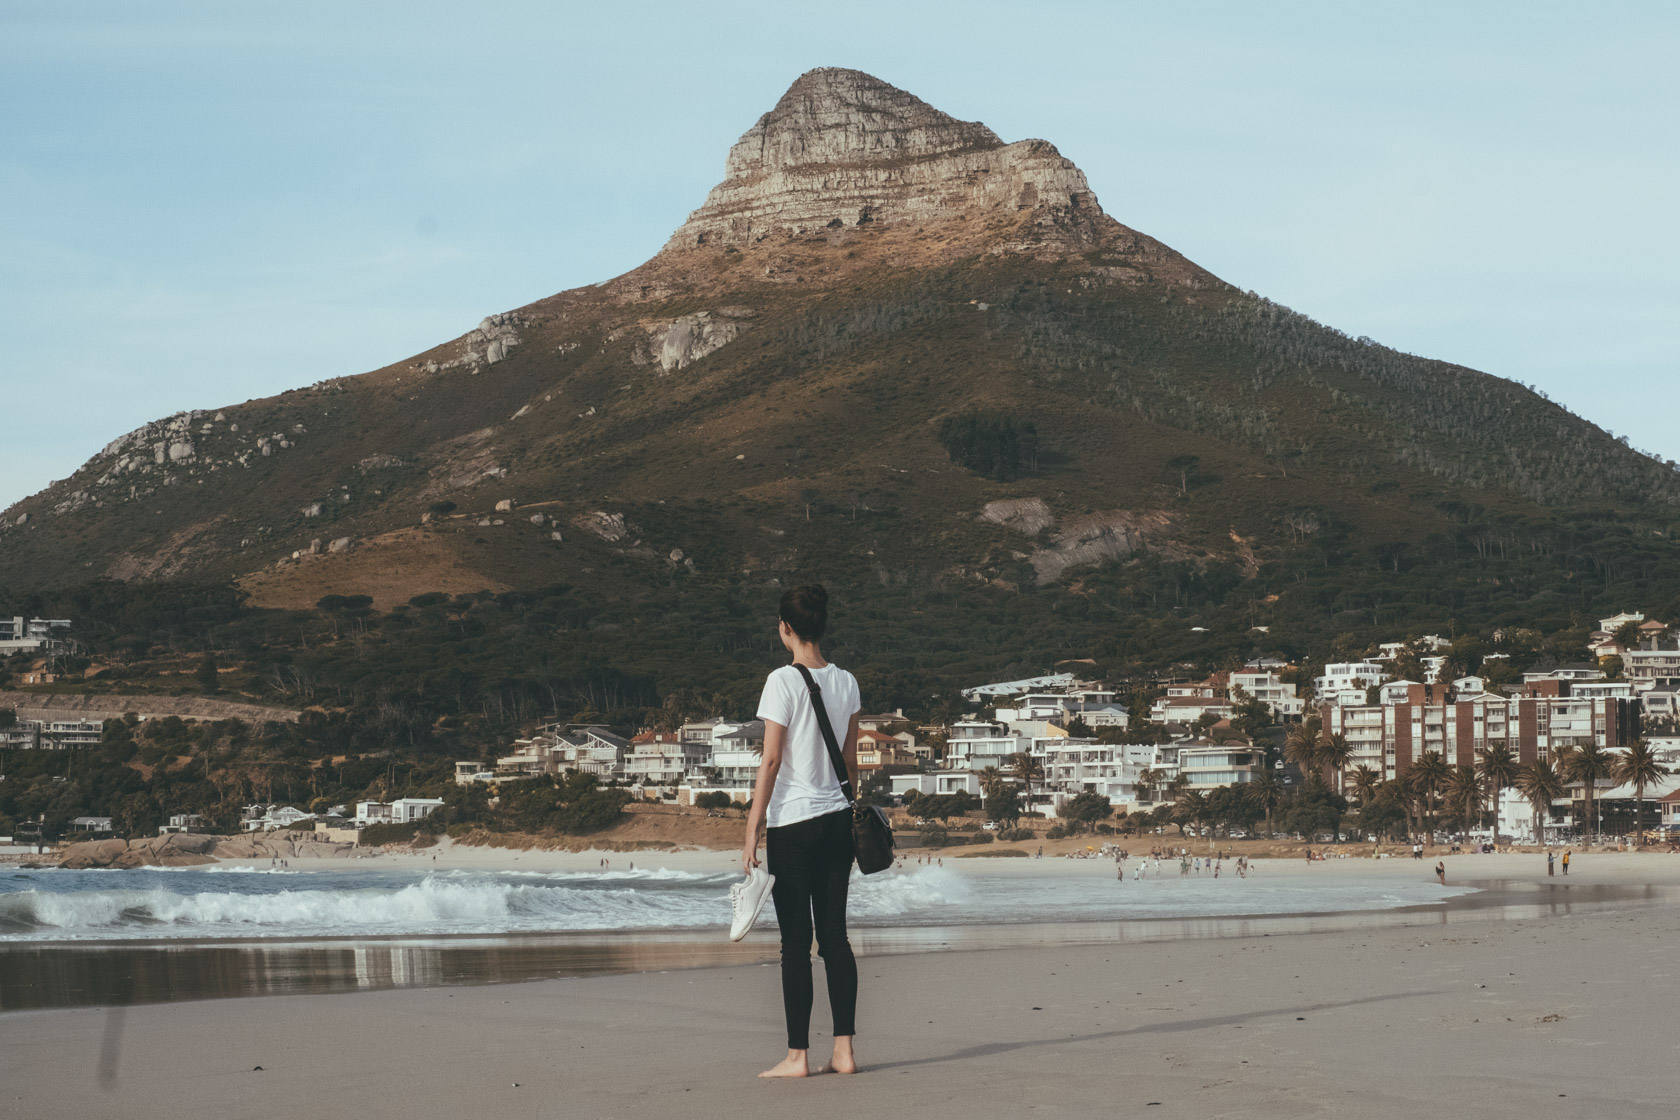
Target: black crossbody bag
<point>871,834</point>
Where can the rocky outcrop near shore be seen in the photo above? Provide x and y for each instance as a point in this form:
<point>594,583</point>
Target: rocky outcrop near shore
<point>189,850</point>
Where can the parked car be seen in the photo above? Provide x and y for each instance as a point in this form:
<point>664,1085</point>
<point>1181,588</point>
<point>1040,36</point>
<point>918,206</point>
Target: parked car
<point>990,826</point>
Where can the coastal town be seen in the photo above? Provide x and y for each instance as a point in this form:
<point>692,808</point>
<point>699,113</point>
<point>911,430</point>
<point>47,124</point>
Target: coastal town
<point>1407,709</point>
<point>1423,725</point>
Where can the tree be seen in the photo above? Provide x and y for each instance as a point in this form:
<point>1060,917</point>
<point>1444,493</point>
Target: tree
<point>1083,810</point>
<point>1265,791</point>
<point>1003,803</point>
<point>992,444</point>
<point>1253,718</point>
<point>1302,747</point>
<point>1335,752</point>
<point>1586,766</point>
<point>1028,769</point>
<point>1464,793</point>
<point>1499,769</point>
<point>1148,782</point>
<point>991,779</point>
<point>208,679</point>
<point>1365,783</point>
<point>1540,785</point>
<point>1429,775</point>
<point>1639,768</point>
<point>1191,808</point>
<point>1182,465</point>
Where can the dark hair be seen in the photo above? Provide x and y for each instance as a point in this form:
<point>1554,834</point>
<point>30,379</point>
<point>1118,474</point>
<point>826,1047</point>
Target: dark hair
<point>805,610</point>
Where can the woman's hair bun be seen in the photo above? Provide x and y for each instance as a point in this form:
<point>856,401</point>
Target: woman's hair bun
<point>805,610</point>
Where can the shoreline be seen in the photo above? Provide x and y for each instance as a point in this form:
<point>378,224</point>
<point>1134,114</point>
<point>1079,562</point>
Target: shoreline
<point>64,973</point>
<point>1372,1022</point>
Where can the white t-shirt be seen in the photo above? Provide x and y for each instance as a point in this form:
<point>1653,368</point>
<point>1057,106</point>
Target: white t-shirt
<point>807,786</point>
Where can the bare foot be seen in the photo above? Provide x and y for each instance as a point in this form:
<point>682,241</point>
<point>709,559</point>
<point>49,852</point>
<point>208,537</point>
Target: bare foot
<point>844,1061</point>
<point>794,1065</point>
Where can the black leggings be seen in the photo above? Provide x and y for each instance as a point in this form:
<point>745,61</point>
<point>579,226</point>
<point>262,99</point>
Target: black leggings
<point>812,863</point>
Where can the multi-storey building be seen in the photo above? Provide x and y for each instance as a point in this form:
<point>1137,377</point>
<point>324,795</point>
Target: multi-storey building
<point>1390,737</point>
<point>1263,683</point>
<point>32,635</point>
<point>1216,765</point>
<point>1345,682</point>
<point>664,758</point>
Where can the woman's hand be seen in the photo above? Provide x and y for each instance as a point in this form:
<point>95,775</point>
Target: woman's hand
<point>749,849</point>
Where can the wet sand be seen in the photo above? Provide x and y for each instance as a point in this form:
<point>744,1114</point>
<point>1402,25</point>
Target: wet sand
<point>1560,1007</point>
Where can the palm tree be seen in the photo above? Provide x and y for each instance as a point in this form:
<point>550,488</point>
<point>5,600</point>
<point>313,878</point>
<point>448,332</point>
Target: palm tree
<point>1588,766</point>
<point>1464,793</point>
<point>1365,783</point>
<point>1192,808</point>
<point>1302,748</point>
<point>1429,775</point>
<point>1640,768</point>
<point>1540,785</point>
<point>991,780</point>
<point>947,712</point>
<point>1499,769</point>
<point>1028,769</point>
<point>1147,782</point>
<point>1335,753</point>
<point>1265,791</point>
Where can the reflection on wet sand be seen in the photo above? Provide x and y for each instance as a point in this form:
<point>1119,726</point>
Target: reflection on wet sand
<point>69,975</point>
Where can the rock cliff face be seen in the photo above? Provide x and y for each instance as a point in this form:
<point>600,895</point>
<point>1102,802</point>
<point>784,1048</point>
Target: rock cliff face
<point>842,148</point>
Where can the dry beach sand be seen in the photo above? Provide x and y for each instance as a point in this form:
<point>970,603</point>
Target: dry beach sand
<point>1567,1015</point>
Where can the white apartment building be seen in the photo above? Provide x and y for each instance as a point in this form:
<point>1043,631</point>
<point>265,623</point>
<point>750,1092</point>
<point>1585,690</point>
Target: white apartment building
<point>978,743</point>
<point>1267,686</point>
<point>1345,682</point>
<point>32,635</point>
<point>664,758</point>
<point>1657,660</point>
<point>937,782</point>
<point>53,735</point>
<point>403,810</point>
<point>1214,766</point>
<point>270,818</point>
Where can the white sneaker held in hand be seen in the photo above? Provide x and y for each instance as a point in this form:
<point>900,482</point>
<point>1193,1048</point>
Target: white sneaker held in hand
<point>746,899</point>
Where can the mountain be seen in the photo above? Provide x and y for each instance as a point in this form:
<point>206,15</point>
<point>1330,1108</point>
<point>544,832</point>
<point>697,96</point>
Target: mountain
<point>889,350</point>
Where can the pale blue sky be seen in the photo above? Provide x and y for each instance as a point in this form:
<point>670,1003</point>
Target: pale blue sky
<point>206,202</point>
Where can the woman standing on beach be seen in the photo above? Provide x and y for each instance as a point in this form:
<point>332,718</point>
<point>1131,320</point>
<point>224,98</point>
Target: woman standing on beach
<point>806,822</point>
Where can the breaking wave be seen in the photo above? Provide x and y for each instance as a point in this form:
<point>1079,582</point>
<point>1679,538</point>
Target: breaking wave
<point>443,903</point>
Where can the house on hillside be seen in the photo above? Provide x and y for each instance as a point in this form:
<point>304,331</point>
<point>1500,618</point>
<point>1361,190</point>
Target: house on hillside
<point>404,810</point>
<point>885,753</point>
<point>664,758</point>
<point>34,635</point>
<point>271,818</point>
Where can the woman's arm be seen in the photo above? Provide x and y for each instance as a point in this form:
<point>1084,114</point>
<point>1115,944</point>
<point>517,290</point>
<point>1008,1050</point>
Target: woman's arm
<point>770,764</point>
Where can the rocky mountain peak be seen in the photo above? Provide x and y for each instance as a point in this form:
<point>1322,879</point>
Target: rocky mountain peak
<point>842,148</point>
<point>834,116</point>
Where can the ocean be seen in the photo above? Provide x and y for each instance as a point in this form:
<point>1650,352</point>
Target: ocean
<point>223,903</point>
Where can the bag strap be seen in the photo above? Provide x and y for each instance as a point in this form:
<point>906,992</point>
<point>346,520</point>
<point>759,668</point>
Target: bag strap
<point>827,729</point>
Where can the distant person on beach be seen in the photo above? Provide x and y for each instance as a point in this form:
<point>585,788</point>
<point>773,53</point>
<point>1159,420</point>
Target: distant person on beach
<point>1417,850</point>
<point>1566,854</point>
<point>1441,872</point>
<point>1551,858</point>
<point>805,819</point>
